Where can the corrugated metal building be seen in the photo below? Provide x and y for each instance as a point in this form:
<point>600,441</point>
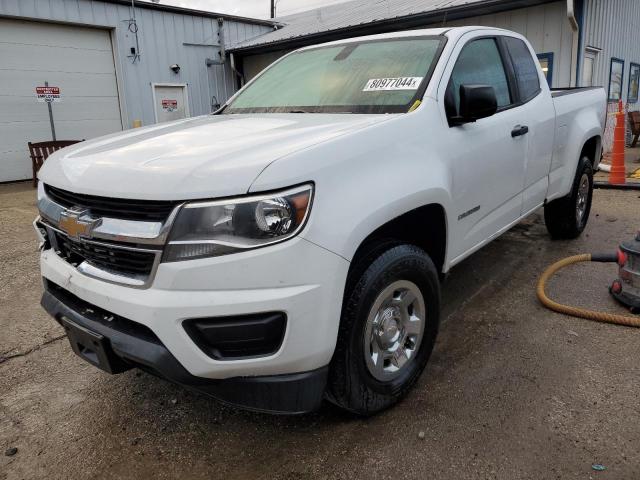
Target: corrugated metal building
<point>112,63</point>
<point>611,30</point>
<point>610,53</point>
<point>552,32</point>
<point>579,42</point>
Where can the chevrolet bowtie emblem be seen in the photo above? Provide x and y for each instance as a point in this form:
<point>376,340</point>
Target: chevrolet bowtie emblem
<point>76,223</point>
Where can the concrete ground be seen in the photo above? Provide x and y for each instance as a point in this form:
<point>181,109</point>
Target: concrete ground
<point>513,391</point>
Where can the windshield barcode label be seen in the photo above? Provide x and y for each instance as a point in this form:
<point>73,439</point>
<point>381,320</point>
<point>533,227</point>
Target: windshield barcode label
<point>398,83</point>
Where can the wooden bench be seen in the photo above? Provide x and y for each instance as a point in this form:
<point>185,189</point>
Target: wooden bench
<point>40,151</point>
<point>634,125</point>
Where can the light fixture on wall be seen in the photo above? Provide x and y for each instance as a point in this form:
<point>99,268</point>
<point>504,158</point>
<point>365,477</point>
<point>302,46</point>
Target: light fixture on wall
<point>175,67</point>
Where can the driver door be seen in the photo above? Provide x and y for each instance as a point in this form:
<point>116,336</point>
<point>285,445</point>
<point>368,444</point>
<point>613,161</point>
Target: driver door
<point>488,163</point>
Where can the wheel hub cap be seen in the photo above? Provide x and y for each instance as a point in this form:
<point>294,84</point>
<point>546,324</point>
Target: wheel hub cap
<point>394,330</point>
<point>387,330</point>
<point>582,198</point>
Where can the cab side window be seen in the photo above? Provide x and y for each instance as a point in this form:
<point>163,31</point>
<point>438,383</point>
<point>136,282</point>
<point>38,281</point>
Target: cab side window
<point>479,63</point>
<point>525,69</point>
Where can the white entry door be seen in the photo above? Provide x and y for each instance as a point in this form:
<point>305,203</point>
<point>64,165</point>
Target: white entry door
<point>589,66</point>
<point>170,101</point>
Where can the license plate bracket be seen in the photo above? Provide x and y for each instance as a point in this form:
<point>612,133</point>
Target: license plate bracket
<point>93,347</point>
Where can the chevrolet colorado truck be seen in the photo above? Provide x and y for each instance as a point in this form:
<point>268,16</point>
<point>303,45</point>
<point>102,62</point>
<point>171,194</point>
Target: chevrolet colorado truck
<point>289,248</point>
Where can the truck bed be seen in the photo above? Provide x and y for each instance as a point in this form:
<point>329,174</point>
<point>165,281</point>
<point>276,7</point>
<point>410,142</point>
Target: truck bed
<point>558,92</point>
<point>575,107</point>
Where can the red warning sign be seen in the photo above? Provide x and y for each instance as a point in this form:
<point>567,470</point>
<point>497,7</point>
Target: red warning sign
<point>48,94</point>
<point>169,105</point>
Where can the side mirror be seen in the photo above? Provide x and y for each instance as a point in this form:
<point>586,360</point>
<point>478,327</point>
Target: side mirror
<point>476,102</point>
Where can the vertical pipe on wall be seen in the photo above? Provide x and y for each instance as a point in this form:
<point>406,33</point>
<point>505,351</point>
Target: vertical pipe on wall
<point>238,78</point>
<point>574,41</point>
<point>581,32</point>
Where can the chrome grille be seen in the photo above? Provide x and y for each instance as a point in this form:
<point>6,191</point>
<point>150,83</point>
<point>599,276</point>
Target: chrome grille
<point>122,208</point>
<point>124,246</point>
<point>111,257</point>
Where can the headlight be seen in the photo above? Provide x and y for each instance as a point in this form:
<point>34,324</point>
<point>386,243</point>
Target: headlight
<point>210,229</point>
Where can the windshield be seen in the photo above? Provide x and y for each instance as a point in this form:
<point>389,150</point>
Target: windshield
<point>374,76</point>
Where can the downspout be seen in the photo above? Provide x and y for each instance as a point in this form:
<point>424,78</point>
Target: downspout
<point>581,31</point>
<point>239,78</point>
<point>571,16</point>
<point>223,51</point>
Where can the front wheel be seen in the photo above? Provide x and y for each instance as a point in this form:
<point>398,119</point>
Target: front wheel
<point>567,217</point>
<point>388,328</point>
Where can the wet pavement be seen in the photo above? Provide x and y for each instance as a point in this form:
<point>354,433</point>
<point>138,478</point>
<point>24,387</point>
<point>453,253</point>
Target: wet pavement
<point>513,391</point>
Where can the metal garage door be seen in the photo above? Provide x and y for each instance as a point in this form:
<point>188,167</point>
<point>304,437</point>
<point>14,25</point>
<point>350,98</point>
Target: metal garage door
<point>80,61</point>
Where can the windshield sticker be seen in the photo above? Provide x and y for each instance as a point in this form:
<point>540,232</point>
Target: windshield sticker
<point>398,83</point>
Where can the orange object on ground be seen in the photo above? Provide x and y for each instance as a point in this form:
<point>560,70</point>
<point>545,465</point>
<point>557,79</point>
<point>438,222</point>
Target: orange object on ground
<point>617,174</point>
<point>628,320</point>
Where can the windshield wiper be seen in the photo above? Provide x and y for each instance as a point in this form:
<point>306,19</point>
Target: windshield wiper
<point>298,111</point>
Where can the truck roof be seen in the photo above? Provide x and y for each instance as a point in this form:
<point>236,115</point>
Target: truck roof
<point>450,32</point>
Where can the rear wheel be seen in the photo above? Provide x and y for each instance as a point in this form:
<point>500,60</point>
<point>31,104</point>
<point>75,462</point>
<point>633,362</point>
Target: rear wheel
<point>567,217</point>
<point>388,328</point>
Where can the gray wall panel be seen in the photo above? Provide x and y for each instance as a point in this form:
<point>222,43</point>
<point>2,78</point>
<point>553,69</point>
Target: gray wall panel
<point>545,26</point>
<point>614,27</point>
<point>162,35</point>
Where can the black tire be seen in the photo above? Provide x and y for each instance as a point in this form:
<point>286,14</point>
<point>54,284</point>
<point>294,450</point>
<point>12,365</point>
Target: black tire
<point>561,215</point>
<point>351,385</point>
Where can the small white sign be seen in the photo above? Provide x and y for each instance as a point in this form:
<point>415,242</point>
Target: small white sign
<point>397,83</point>
<point>48,94</point>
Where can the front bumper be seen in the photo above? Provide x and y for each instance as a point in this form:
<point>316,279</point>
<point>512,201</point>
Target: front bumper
<point>129,346</point>
<point>296,277</point>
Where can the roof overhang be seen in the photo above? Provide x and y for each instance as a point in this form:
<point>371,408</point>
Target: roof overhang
<point>389,25</point>
<point>197,13</point>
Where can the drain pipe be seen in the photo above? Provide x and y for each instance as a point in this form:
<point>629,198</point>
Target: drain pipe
<point>239,83</point>
<point>571,16</point>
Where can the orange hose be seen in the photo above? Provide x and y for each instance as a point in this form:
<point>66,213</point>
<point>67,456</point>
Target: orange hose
<point>627,320</point>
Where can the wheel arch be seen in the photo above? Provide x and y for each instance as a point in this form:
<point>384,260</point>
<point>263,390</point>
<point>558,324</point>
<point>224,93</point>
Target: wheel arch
<point>592,148</point>
<point>561,179</point>
<point>424,226</point>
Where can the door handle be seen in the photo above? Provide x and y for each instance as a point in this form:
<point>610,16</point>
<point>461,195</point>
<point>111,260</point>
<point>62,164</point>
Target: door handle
<point>519,130</point>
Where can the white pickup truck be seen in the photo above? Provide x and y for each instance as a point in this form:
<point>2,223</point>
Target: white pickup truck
<point>290,247</point>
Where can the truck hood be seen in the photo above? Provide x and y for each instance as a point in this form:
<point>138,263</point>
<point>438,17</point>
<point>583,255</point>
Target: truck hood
<point>203,157</point>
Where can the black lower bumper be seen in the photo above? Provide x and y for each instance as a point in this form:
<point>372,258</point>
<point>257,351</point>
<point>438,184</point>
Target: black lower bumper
<point>120,344</point>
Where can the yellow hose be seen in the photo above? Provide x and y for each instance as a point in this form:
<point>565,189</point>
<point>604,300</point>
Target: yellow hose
<point>627,320</point>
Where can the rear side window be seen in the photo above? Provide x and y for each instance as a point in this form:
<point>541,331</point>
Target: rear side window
<point>525,68</point>
<point>479,63</point>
